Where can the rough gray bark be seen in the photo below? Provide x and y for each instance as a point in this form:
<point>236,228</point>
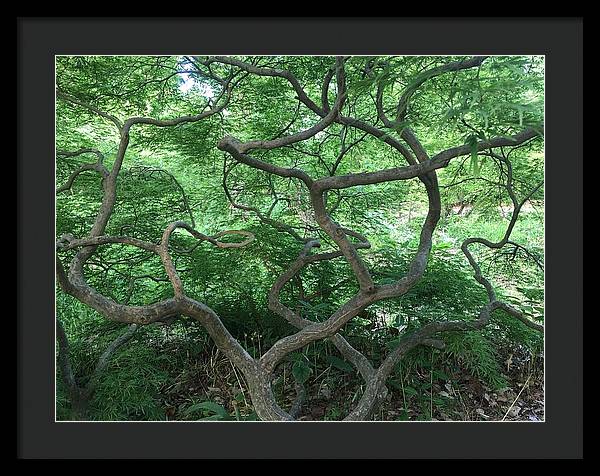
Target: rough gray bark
<point>259,372</point>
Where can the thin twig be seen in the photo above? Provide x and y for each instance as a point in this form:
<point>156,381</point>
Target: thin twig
<point>517,397</point>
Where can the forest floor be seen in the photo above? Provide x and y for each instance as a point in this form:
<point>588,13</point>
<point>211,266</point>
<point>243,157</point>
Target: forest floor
<point>467,399</point>
<point>330,395</point>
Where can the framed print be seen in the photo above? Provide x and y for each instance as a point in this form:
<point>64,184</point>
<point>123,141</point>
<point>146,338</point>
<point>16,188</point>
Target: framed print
<point>230,246</point>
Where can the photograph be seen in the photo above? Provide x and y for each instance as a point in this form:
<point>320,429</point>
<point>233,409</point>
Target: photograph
<point>300,238</point>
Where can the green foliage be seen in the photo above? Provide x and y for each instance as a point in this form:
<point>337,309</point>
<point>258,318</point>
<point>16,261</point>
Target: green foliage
<point>208,410</point>
<point>340,363</point>
<point>177,174</point>
<point>130,388</point>
<point>477,354</point>
<point>301,371</point>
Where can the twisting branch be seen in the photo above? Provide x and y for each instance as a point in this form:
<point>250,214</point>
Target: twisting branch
<point>96,152</point>
<point>98,166</point>
<point>275,304</point>
<point>355,357</point>
<point>302,96</point>
<point>101,169</point>
<point>438,161</point>
<point>69,242</point>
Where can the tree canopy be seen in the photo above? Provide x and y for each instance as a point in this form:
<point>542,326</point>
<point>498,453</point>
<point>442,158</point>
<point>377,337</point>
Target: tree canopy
<point>307,213</point>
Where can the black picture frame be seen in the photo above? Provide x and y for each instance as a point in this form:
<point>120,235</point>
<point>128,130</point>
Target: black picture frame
<point>560,39</point>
